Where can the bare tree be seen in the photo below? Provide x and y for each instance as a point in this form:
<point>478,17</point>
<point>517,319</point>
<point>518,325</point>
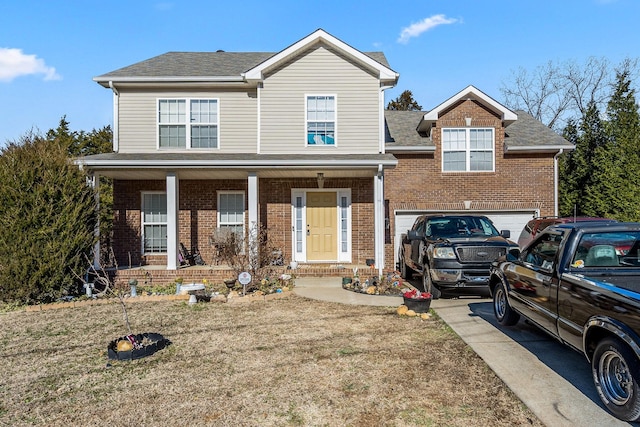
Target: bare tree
<point>555,92</point>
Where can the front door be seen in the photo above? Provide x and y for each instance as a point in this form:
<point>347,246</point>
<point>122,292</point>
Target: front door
<point>322,226</point>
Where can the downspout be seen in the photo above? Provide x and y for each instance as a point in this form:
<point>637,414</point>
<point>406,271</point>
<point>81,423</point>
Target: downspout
<point>381,146</point>
<point>116,108</point>
<point>379,219</point>
<point>555,181</point>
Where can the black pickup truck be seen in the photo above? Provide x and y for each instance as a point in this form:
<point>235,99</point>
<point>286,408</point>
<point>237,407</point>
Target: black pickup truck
<point>581,283</point>
<point>452,253</point>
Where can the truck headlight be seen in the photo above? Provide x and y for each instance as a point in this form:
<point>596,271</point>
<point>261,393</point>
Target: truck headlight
<point>444,252</point>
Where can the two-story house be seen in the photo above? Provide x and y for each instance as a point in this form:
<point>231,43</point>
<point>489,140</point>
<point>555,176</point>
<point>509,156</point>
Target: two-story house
<point>292,140</point>
<point>298,141</point>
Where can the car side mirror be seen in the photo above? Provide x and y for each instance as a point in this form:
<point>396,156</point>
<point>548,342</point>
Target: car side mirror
<point>505,233</point>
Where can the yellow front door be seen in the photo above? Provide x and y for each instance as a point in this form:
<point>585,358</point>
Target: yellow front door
<point>322,226</point>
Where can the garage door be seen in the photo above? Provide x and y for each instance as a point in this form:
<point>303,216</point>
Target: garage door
<point>513,221</point>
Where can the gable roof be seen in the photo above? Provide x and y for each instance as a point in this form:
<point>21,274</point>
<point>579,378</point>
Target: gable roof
<point>384,73</point>
<point>470,92</point>
<point>223,66</point>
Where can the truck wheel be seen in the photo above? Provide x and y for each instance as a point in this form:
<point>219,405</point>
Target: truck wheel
<point>501,308</point>
<point>428,285</point>
<point>405,271</point>
<point>616,372</point>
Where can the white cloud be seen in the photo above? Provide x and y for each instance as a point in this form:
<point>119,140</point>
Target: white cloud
<point>14,63</point>
<point>414,30</point>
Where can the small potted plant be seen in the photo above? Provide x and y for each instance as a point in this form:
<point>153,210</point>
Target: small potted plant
<point>417,301</point>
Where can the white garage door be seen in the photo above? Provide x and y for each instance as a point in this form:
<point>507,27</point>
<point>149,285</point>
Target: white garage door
<point>514,221</point>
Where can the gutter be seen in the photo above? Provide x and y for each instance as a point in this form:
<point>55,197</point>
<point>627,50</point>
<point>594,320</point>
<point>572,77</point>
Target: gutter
<point>537,148</point>
<point>237,164</point>
<point>411,149</point>
<point>116,108</point>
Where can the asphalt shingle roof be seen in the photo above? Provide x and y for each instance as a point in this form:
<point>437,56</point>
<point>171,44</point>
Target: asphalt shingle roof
<point>201,64</point>
<point>524,132</point>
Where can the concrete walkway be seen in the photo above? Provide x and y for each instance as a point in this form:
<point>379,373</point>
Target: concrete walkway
<point>550,379</point>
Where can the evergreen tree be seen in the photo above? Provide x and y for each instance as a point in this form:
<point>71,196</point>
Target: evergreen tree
<point>568,186</point>
<point>404,102</point>
<point>624,130</point>
<point>592,163</point>
<point>47,221</point>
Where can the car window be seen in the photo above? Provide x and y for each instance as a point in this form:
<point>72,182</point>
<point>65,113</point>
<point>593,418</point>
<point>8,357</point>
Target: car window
<point>543,253</point>
<point>608,249</point>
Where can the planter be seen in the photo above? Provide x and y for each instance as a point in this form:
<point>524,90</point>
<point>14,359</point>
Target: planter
<point>418,305</point>
<point>346,280</point>
<point>152,342</point>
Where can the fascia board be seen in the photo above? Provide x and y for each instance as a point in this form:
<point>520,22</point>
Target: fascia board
<point>507,115</point>
<point>235,164</point>
<point>538,148</point>
<point>410,149</point>
<point>168,79</point>
<point>384,73</point>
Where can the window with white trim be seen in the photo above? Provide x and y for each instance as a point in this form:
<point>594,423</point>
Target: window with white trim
<point>231,213</point>
<point>468,150</point>
<point>321,119</point>
<point>154,223</point>
<point>188,123</point>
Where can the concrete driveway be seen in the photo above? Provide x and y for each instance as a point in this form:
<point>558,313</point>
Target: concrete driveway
<point>551,379</point>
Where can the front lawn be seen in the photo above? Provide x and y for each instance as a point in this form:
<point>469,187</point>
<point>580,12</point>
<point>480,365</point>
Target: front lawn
<point>283,362</point>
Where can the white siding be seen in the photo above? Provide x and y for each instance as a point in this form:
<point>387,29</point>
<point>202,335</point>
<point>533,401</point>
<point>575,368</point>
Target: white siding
<point>238,119</point>
<point>314,72</point>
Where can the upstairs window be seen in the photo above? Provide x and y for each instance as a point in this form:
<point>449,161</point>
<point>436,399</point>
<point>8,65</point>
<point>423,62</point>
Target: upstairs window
<point>467,150</point>
<point>321,120</point>
<point>188,123</point>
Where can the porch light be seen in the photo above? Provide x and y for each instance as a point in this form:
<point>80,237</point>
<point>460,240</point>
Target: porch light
<point>320,178</point>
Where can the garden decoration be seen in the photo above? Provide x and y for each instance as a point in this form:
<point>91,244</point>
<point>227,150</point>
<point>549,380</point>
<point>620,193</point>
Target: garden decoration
<point>417,301</point>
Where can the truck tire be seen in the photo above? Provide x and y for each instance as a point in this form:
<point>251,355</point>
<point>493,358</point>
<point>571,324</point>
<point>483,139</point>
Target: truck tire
<point>505,315</point>
<point>405,271</point>
<point>616,375</point>
<point>428,285</point>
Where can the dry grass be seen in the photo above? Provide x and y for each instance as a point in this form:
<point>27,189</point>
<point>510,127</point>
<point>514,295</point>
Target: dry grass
<point>285,362</point>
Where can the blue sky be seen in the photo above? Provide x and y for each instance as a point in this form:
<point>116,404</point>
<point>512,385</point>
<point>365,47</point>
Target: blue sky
<point>51,50</point>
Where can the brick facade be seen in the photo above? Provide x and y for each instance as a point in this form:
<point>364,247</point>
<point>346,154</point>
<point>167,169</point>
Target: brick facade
<point>520,181</point>
<point>198,215</point>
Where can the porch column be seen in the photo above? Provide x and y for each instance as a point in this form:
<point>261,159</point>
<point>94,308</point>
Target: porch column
<point>172,221</point>
<point>96,230</point>
<point>252,206</point>
<point>378,208</point>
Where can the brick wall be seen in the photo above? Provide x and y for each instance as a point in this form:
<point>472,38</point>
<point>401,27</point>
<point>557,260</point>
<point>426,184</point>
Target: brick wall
<point>198,215</point>
<point>520,181</point>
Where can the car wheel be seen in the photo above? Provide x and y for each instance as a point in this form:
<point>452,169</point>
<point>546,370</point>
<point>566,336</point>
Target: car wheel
<point>616,372</point>
<point>501,308</point>
<point>405,271</point>
<point>428,285</point>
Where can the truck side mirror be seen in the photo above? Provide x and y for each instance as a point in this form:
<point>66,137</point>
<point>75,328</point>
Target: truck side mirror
<point>505,233</point>
<point>414,235</point>
<point>513,254</point>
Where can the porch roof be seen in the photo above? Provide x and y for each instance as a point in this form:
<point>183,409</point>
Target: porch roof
<point>206,165</point>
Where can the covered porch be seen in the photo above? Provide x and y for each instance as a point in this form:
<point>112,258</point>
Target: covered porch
<point>164,200</point>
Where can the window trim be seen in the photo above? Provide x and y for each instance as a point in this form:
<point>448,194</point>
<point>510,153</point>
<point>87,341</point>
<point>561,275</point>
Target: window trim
<point>188,123</point>
<point>468,149</point>
<point>244,209</point>
<point>143,223</point>
<point>335,119</point>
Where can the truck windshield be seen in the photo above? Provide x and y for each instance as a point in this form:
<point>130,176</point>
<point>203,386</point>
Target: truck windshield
<point>460,226</point>
<point>608,249</point>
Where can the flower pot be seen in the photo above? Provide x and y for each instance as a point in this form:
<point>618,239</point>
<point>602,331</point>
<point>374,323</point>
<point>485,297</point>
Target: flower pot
<point>419,305</point>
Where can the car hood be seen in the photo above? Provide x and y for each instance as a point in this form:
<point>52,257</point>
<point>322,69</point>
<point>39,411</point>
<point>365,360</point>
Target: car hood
<point>495,240</point>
